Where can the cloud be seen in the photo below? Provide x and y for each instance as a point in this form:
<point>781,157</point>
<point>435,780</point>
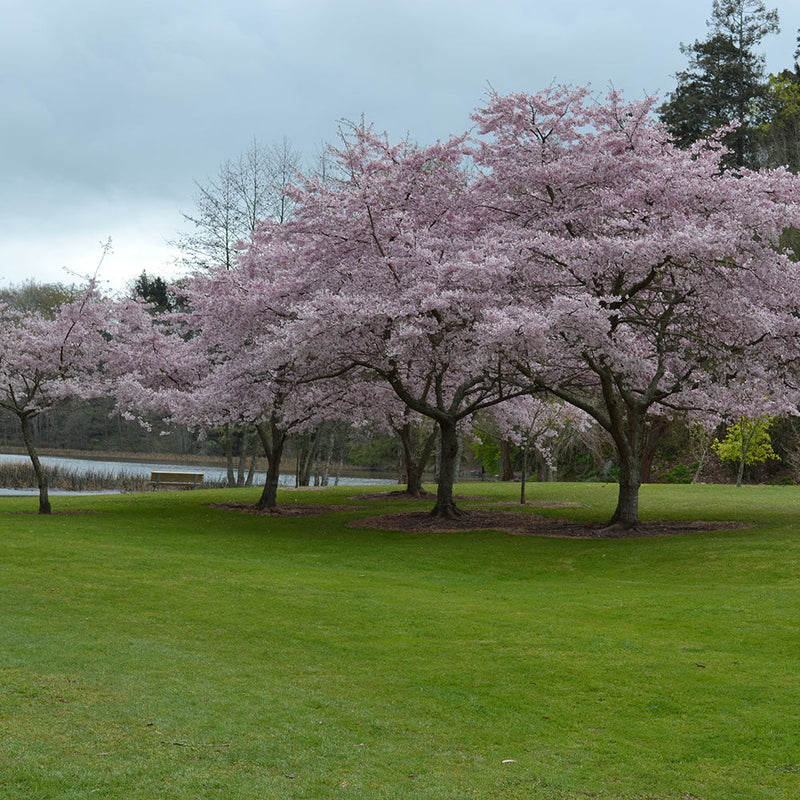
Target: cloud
<point>111,110</point>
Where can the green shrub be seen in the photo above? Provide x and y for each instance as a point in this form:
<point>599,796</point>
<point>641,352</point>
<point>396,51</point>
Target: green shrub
<point>680,473</point>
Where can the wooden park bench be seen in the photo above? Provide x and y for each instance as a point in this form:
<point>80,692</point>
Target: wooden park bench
<point>175,480</point>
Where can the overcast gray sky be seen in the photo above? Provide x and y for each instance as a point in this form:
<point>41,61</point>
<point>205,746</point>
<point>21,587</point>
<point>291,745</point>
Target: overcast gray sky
<point>110,110</point>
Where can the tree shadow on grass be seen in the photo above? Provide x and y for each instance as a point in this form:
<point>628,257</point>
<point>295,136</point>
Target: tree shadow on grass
<point>515,523</point>
<point>285,510</point>
<point>528,524</point>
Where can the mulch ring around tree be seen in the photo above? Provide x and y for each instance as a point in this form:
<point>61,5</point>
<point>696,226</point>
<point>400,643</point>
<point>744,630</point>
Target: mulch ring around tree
<point>428,497</point>
<point>527,524</point>
<point>514,523</point>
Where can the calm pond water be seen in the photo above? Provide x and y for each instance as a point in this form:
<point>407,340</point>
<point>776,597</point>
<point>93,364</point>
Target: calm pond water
<point>114,468</point>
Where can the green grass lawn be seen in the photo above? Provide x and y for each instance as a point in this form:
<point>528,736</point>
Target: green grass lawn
<point>162,648</point>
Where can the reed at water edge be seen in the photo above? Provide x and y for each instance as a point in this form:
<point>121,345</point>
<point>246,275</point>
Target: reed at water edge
<point>20,475</point>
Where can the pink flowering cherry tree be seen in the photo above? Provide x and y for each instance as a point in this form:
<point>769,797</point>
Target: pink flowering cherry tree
<point>533,423</point>
<point>48,355</point>
<point>405,284</point>
<point>646,280</point>
<point>229,357</point>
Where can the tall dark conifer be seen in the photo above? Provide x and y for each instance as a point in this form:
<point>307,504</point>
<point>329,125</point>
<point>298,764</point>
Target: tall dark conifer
<point>725,81</point>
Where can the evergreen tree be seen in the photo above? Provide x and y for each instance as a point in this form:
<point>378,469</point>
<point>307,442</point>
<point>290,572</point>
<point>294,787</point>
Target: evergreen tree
<point>780,136</point>
<point>725,81</point>
<point>158,293</point>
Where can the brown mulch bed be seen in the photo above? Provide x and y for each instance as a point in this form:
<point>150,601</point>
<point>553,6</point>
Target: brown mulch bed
<point>428,497</point>
<point>516,524</point>
<point>527,524</point>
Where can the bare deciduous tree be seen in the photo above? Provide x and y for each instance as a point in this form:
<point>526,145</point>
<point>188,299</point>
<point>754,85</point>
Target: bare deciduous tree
<point>230,205</point>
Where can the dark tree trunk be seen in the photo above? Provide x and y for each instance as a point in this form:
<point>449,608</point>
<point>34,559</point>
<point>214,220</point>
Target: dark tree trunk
<point>307,453</point>
<point>273,439</point>
<point>414,465</point>
<point>41,478</point>
<point>628,424</point>
<point>229,456</point>
<point>506,467</point>
<point>242,436</point>
<point>445,504</point>
<point>628,434</point>
<point>414,487</point>
<point>251,470</point>
<point>237,448</point>
<point>545,473</point>
<point>654,435</point>
<point>626,515</point>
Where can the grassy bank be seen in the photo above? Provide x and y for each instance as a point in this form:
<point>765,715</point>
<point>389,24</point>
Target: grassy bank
<point>162,648</point>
